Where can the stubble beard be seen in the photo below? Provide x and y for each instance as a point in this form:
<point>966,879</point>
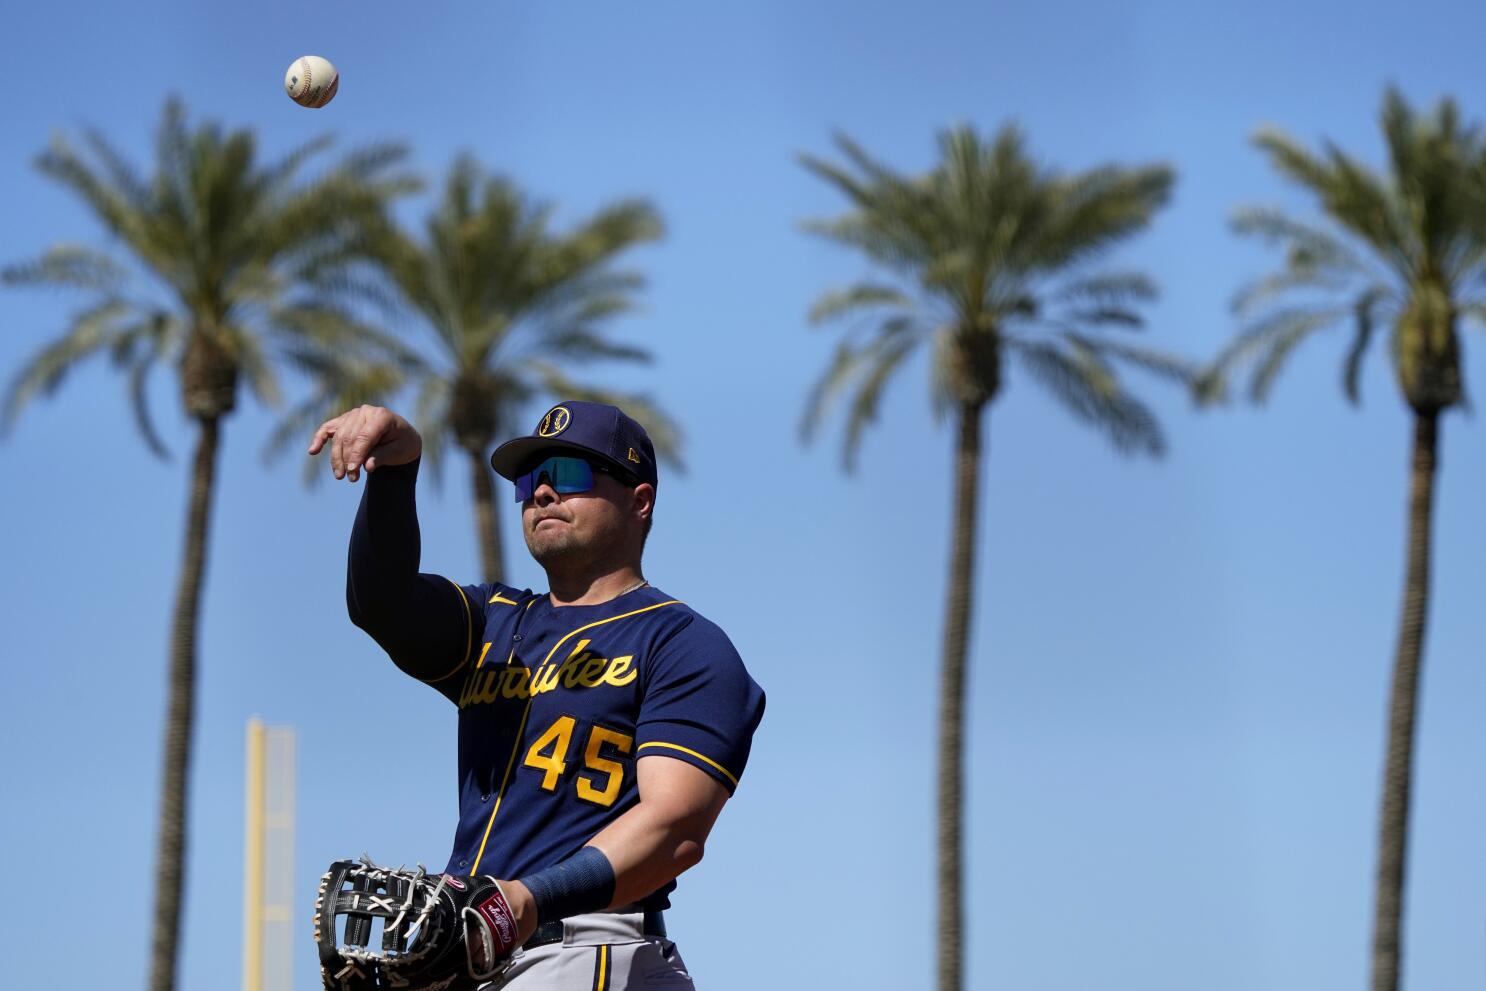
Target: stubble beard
<point>555,549</point>
<point>566,548</point>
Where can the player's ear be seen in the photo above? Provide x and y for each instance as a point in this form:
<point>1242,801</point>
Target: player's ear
<point>643,501</point>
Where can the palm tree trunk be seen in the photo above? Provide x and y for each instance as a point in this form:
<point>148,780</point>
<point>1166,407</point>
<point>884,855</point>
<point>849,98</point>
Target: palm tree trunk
<point>952,698</point>
<point>487,523</point>
<point>170,855</point>
<point>1393,826</point>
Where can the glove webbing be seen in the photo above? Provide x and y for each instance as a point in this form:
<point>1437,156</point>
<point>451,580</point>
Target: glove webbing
<point>389,895</point>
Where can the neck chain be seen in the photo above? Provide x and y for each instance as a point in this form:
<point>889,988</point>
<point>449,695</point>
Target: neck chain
<point>639,584</point>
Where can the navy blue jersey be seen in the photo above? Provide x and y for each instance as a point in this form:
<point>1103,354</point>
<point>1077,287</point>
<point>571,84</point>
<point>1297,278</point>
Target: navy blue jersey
<point>557,703</point>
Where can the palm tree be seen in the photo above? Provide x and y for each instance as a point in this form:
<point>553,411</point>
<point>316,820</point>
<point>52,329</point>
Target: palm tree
<point>1404,252</point>
<point>986,257</point>
<point>221,242</point>
<point>508,305</point>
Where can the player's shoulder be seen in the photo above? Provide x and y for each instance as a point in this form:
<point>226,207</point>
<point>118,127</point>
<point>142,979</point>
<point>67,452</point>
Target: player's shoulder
<point>493,596</point>
<point>681,621</point>
<point>667,609</point>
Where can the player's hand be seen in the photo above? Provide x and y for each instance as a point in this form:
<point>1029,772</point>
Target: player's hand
<point>366,437</point>
<point>523,906</point>
<point>484,949</point>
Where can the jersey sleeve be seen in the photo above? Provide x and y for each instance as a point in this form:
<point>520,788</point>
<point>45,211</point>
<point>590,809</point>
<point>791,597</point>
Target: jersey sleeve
<point>428,624</point>
<point>700,705</point>
<point>470,627</point>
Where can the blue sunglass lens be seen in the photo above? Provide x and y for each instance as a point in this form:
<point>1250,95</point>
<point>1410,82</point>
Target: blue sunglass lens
<point>565,475</point>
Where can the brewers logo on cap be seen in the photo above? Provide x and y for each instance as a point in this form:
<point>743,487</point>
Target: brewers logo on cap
<point>555,422</point>
<point>589,428</point>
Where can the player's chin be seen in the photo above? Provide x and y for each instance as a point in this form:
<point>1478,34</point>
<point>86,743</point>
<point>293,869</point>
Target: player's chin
<point>552,545</point>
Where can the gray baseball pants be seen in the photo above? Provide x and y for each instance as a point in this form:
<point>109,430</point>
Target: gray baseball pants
<point>601,951</point>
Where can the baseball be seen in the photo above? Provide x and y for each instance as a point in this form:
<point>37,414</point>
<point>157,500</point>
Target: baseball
<point>311,81</point>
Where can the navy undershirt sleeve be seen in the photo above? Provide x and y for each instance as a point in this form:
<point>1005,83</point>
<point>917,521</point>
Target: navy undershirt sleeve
<point>423,622</point>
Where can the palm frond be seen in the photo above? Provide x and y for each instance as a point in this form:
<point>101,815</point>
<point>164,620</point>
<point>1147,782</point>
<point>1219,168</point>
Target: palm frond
<point>575,345</point>
<point>1415,233</point>
<point>1292,160</point>
<point>336,219</point>
<point>1098,208</point>
<point>1399,133</point>
<point>893,219</point>
<point>882,361</point>
<point>62,163</point>
<point>172,216</point>
<point>270,182</point>
<point>1362,201</point>
<point>1173,367</point>
<point>1352,195</point>
<point>1089,389</point>
<point>1110,289</point>
<point>852,299</point>
<point>994,245</point>
<point>591,308</point>
<point>849,362</point>
<point>843,366</point>
<point>1363,313</point>
<point>861,193</point>
<point>338,384</point>
<point>95,329</point>
<point>431,409</point>
<point>257,371</point>
<point>1265,291</point>
<point>121,174</point>
<point>581,298</point>
<point>506,297</point>
<point>345,285</point>
<point>1267,342</point>
<point>335,330</point>
<point>1474,311</point>
<point>1277,351</point>
<point>1310,248</point>
<point>67,266</point>
<point>253,251</point>
<point>1108,316</point>
<point>614,229</point>
<point>158,332</point>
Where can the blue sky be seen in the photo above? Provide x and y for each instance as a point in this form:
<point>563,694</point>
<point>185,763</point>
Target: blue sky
<point>1179,669</point>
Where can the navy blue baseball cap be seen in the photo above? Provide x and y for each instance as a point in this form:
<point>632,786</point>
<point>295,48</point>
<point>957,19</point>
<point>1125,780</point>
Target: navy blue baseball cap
<point>591,429</point>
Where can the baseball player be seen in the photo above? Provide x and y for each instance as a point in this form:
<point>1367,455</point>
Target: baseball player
<point>602,724</point>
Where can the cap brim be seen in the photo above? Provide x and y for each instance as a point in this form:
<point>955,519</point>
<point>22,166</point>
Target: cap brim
<point>510,456</point>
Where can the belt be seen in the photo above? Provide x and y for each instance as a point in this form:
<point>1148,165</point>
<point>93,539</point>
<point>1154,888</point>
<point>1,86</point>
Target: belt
<point>552,932</point>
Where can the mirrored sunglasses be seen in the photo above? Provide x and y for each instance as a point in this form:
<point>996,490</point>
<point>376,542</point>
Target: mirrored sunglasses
<point>565,474</point>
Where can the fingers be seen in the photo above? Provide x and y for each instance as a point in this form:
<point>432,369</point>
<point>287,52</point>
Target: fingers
<point>368,430</point>
<point>323,433</point>
<point>330,431</point>
<point>338,445</point>
<point>352,437</point>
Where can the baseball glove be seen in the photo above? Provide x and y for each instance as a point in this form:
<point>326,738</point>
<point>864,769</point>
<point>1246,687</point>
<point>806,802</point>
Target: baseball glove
<point>437,932</point>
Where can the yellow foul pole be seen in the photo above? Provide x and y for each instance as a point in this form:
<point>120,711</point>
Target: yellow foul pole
<point>253,862</point>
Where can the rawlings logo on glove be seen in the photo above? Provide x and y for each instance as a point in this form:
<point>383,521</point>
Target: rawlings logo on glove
<point>438,932</point>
